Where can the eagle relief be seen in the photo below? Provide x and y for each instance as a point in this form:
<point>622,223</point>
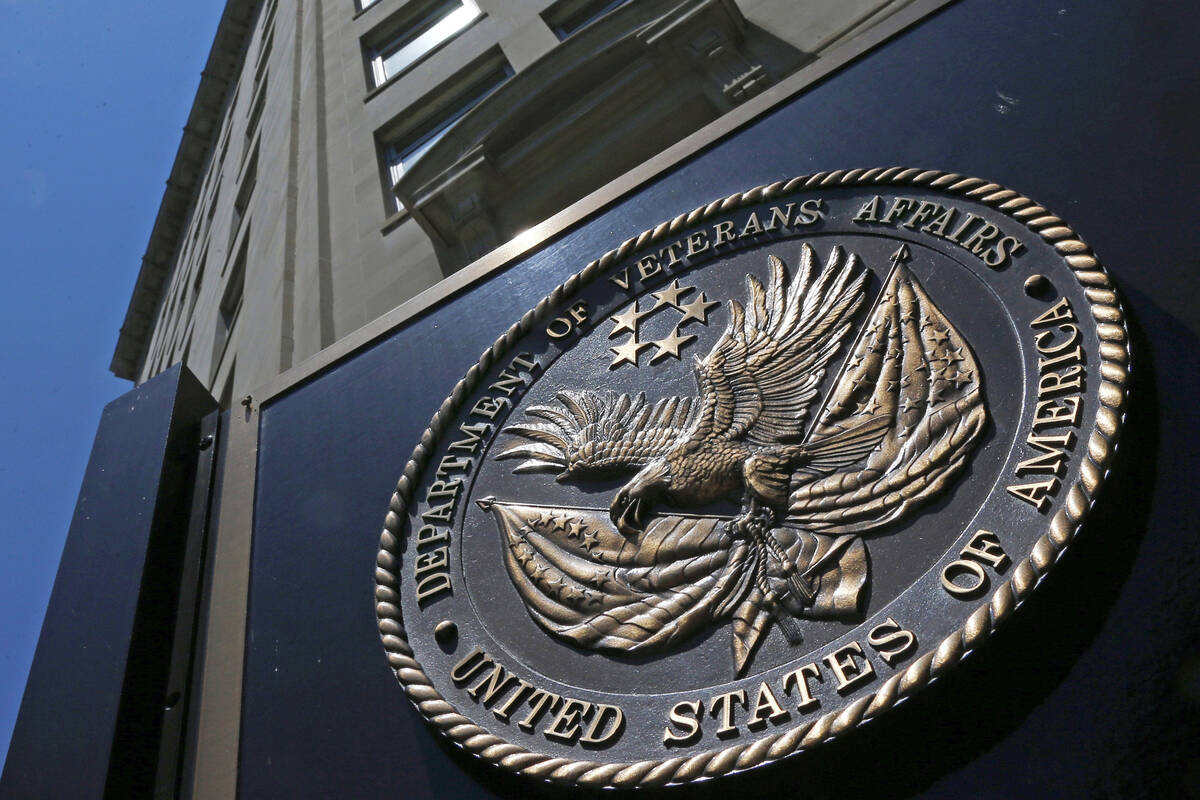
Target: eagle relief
<point>751,478</point>
<point>813,474</point>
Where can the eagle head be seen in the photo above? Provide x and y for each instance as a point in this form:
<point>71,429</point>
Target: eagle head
<point>631,508</point>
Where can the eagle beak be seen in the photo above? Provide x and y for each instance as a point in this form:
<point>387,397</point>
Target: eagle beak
<point>633,506</point>
<point>628,514</point>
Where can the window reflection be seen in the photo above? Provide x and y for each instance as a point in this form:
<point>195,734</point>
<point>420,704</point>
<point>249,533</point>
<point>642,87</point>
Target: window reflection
<point>441,23</point>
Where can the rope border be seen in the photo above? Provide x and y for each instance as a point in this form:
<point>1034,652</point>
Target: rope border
<point>1064,525</point>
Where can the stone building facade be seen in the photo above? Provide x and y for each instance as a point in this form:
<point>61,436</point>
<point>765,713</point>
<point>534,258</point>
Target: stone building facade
<point>341,158</point>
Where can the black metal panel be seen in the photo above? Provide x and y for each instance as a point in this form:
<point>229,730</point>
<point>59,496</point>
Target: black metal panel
<point>93,706</point>
<point>1087,107</point>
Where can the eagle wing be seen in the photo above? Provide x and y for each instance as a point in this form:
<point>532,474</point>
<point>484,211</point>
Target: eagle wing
<point>591,433</point>
<point>905,415</point>
<point>760,378</point>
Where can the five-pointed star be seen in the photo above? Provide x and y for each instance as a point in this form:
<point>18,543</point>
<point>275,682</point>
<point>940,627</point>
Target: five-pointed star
<point>870,407</point>
<point>523,553</point>
<point>697,310</point>
<point>628,352</point>
<point>669,346</point>
<point>939,336</point>
<point>670,295</point>
<point>591,539</point>
<point>959,378</point>
<point>627,321</point>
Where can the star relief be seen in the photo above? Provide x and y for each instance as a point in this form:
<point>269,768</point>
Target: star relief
<point>670,345</point>
<point>630,321</point>
<point>670,295</point>
<point>697,310</point>
<point>627,353</point>
<point>627,320</point>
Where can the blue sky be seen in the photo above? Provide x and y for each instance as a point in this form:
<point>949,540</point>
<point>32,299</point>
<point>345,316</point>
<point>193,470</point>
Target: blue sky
<point>93,97</point>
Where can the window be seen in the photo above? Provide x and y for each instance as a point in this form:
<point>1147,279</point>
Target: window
<point>436,24</point>
<point>212,207</point>
<point>268,17</point>
<point>199,279</point>
<point>264,56</point>
<point>242,202</point>
<point>402,153</point>
<point>254,116</point>
<point>231,304</point>
<point>569,16</point>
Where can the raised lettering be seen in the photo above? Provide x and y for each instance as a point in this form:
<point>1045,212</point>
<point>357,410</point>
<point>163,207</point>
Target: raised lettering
<point>766,707</point>
<point>1054,383</point>
<point>606,726</point>
<point>723,232</point>
<point>985,546</point>
<point>1054,454</point>
<point>468,665</point>
<point>1008,247</point>
<point>781,216</point>
<point>752,226</point>
<point>810,211</point>
<point>540,702</point>
<point>1058,313</point>
<point>648,267</point>
<point>491,685</point>
<point>722,707</point>
<point>489,406</point>
<point>891,641</point>
<point>899,206</point>
<point>925,209</point>
<point>869,211</point>
<point>799,678</point>
<point>1037,494</point>
<point>848,672</point>
<point>685,716</point>
<point>971,570</point>
<point>474,433</point>
<point>568,722</point>
<point>1052,413</point>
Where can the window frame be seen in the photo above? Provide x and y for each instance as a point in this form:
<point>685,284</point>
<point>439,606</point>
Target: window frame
<point>407,30</point>
<point>399,151</point>
<point>567,17</point>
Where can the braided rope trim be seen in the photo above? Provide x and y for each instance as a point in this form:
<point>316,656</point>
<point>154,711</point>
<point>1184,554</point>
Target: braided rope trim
<point>1101,445</point>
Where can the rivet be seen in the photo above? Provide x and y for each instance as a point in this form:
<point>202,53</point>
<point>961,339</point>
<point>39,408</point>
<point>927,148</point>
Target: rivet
<point>445,631</point>
<point>1036,285</point>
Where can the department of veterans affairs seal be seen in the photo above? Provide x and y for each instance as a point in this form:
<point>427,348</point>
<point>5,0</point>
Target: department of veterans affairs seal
<point>752,478</point>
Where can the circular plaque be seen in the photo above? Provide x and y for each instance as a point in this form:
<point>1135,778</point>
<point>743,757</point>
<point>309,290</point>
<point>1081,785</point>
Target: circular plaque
<point>752,477</point>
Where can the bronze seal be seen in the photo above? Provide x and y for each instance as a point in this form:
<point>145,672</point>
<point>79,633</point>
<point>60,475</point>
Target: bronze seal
<point>752,477</point>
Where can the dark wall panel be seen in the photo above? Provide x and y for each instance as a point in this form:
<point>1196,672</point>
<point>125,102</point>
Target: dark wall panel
<point>93,705</point>
<point>1089,107</point>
